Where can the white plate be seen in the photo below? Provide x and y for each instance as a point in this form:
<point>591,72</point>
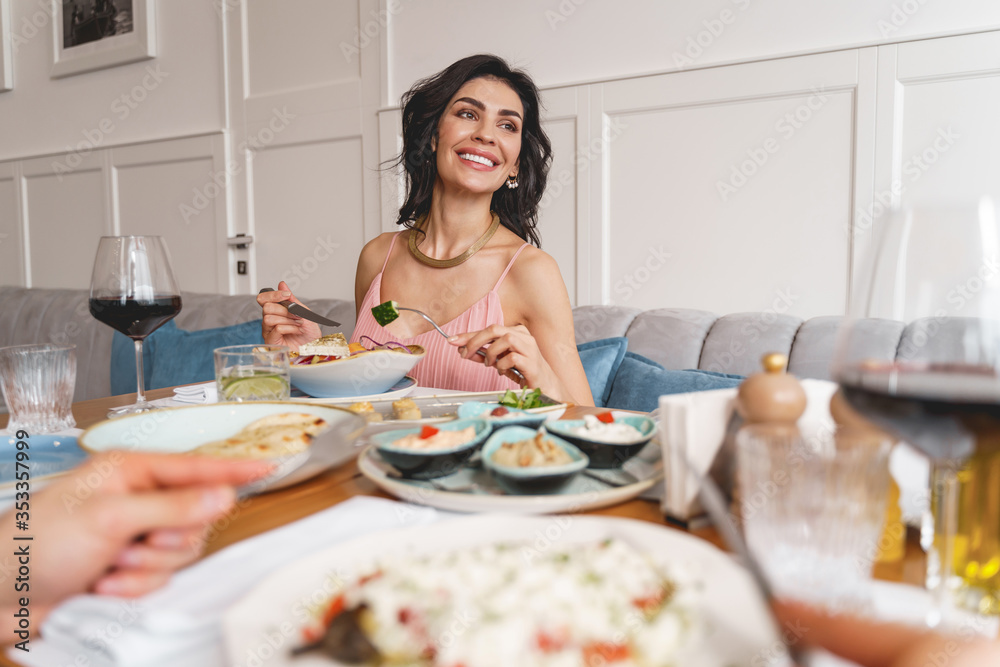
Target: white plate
<point>179,430</point>
<point>372,372</point>
<point>396,391</point>
<point>581,494</point>
<point>737,628</point>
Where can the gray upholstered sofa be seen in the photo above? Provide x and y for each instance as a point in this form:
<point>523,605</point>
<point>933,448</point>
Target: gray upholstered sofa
<point>676,338</point>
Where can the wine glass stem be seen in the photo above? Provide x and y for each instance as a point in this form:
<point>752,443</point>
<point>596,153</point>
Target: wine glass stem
<point>139,379</point>
<point>945,480</point>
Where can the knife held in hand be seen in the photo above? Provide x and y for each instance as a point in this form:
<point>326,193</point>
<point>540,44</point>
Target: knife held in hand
<point>303,312</point>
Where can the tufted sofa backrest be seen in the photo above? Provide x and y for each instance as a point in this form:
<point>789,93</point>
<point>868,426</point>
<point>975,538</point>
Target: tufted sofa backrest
<point>675,337</point>
<point>681,338</point>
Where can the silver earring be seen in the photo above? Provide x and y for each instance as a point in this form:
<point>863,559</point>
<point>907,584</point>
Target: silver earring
<point>512,182</point>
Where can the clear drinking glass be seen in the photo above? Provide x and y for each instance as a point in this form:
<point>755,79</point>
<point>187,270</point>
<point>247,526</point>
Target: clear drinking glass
<point>252,373</point>
<point>935,274</point>
<point>37,383</point>
<point>133,290</point>
<point>813,510</point>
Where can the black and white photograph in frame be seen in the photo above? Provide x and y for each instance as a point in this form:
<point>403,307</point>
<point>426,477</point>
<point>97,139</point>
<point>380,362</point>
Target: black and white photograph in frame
<point>91,20</point>
<point>94,34</point>
<point>6,64</point>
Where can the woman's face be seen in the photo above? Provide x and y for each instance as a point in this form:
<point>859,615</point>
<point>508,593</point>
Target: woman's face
<point>479,136</point>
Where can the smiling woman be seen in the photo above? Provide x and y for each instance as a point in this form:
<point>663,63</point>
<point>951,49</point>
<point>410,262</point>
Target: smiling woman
<point>475,159</point>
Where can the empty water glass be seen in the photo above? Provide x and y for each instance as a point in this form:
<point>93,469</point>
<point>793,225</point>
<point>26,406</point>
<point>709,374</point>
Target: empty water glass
<point>813,510</point>
<point>37,383</point>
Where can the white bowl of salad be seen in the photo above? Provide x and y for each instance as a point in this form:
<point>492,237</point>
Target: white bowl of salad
<point>339,370</point>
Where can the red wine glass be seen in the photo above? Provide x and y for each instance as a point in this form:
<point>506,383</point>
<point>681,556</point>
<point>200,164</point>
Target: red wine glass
<point>133,291</point>
<point>934,277</point>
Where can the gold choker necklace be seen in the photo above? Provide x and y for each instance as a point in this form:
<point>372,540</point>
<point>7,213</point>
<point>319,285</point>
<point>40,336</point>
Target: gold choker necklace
<point>458,259</point>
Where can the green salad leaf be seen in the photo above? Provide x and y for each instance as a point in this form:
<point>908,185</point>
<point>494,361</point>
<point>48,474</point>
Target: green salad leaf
<point>529,398</point>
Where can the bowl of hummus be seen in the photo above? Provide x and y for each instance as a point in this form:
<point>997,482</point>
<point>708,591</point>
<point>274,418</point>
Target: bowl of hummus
<point>427,451</point>
<point>529,462</point>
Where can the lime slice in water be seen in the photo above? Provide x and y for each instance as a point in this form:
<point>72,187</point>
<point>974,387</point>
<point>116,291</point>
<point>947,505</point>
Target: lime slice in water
<point>254,387</point>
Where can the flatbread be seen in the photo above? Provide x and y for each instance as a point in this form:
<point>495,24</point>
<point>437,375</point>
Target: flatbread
<point>270,437</point>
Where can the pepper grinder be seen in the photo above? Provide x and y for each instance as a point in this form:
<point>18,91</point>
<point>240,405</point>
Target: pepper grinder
<point>772,397</point>
<point>773,401</point>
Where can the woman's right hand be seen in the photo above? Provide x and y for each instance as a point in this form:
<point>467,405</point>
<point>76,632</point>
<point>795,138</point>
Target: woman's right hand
<point>279,326</point>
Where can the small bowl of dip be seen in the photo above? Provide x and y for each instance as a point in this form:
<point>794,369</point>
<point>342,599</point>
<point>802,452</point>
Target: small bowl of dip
<point>430,451</point>
<point>530,462</point>
<point>608,439</point>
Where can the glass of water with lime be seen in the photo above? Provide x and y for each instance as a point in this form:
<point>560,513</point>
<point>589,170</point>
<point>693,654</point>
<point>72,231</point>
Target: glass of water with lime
<point>252,373</point>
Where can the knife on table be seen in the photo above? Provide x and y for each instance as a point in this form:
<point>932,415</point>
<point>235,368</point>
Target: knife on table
<point>302,311</point>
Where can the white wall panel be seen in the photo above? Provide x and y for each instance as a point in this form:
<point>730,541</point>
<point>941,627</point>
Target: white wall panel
<point>11,239</point>
<point>308,217</point>
<point>560,208</point>
<point>730,203</point>
<point>950,144</point>
<point>678,238</point>
<point>150,196</point>
<point>557,209</point>
<point>301,44</point>
<point>569,41</point>
<point>299,57</point>
<point>67,215</point>
<point>392,186</point>
<point>177,189</point>
<point>939,100</point>
<point>115,105</point>
<point>937,135</point>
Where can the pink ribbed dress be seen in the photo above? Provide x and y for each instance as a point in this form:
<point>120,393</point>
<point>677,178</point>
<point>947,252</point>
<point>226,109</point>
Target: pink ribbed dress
<point>442,367</point>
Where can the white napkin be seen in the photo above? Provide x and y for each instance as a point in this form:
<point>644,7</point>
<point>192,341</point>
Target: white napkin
<point>692,426</point>
<point>181,623</point>
<point>197,393</point>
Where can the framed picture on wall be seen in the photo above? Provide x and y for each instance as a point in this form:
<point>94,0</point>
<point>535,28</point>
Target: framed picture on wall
<point>94,34</point>
<point>6,64</point>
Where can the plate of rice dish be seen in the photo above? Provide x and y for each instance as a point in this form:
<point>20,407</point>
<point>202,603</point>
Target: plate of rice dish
<point>501,591</point>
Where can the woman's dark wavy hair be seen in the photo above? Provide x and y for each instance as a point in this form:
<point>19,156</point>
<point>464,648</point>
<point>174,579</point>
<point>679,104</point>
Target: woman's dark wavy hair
<point>423,106</point>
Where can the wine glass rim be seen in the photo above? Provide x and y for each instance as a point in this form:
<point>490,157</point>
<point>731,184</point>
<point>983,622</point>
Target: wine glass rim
<point>132,236</point>
<point>40,347</point>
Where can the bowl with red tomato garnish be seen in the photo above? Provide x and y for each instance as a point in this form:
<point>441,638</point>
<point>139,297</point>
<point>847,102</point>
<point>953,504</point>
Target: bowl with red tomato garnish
<point>607,438</point>
<point>426,452</point>
<point>500,416</point>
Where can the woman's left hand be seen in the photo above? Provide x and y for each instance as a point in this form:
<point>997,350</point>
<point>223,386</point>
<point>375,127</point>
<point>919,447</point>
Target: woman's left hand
<point>509,348</point>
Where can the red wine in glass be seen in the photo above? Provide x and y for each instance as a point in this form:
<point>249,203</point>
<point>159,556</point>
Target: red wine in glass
<point>133,291</point>
<point>136,319</point>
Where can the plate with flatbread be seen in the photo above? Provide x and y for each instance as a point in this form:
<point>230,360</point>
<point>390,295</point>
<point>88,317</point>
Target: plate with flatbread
<point>301,438</point>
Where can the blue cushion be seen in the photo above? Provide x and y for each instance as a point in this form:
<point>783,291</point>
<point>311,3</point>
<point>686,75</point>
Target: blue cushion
<point>173,356</point>
<point>640,382</point>
<point>601,359</point>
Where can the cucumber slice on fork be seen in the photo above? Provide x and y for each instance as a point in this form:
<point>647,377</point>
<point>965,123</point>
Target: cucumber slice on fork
<point>387,312</point>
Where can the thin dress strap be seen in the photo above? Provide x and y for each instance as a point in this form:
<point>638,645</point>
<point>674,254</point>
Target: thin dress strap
<point>509,264</point>
<point>391,244</point>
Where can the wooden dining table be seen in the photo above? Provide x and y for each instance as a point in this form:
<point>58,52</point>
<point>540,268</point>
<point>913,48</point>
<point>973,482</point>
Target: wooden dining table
<point>277,508</point>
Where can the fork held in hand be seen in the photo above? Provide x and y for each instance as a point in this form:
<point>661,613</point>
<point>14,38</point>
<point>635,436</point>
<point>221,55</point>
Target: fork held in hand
<point>434,324</point>
<point>389,311</point>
